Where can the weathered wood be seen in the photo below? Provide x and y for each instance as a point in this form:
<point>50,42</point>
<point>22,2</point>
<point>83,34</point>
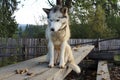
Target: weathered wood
<point>60,74</point>
<point>33,47</point>
<point>10,70</point>
<point>102,72</point>
<point>41,71</point>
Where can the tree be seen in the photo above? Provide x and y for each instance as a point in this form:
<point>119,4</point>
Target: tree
<point>93,18</point>
<point>34,31</point>
<point>98,25</point>
<point>8,24</point>
<point>114,23</point>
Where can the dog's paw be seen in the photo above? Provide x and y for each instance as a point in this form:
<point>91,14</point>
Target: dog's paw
<point>62,66</point>
<point>51,65</point>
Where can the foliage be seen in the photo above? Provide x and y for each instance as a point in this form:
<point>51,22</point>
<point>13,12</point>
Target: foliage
<point>8,60</point>
<point>114,23</point>
<point>33,31</point>
<point>117,57</point>
<point>93,19</point>
<point>8,24</point>
<point>99,28</point>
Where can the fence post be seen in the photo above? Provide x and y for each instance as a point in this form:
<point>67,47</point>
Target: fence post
<point>23,52</point>
<point>99,44</point>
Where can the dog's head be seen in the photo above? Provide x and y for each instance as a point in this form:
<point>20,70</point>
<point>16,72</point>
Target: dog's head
<point>57,17</point>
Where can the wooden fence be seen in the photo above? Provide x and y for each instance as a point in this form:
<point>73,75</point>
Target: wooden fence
<point>26,48</point>
<point>36,47</point>
<point>108,44</point>
<point>33,47</point>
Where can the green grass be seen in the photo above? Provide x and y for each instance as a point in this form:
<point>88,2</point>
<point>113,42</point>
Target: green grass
<point>117,57</point>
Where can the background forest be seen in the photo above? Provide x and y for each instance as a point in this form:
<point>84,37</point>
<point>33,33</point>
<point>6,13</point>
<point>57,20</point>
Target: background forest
<point>88,19</point>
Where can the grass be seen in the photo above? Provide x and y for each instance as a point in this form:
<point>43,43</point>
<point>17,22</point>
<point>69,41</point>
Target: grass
<point>117,57</point>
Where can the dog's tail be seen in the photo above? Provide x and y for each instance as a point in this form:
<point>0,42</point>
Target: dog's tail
<point>70,60</point>
<point>74,67</point>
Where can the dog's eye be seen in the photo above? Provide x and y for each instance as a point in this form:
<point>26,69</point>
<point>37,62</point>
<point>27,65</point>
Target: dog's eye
<point>63,17</point>
<point>57,20</point>
<point>51,20</point>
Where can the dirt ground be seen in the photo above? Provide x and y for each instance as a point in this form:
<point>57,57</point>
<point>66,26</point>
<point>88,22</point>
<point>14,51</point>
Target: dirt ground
<point>90,74</point>
<point>114,71</point>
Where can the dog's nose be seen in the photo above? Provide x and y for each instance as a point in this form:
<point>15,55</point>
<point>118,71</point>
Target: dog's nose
<point>52,29</point>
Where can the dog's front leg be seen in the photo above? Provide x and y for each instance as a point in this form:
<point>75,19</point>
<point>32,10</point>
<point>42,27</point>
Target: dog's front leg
<point>62,55</point>
<point>51,53</point>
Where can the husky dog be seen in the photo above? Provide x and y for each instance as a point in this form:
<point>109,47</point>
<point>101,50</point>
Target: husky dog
<point>57,35</point>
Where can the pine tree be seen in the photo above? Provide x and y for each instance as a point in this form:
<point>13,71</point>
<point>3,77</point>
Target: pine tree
<point>8,24</point>
<point>99,28</point>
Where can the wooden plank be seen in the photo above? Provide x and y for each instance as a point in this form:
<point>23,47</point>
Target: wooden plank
<point>10,70</point>
<point>41,71</point>
<point>102,72</point>
<point>60,74</point>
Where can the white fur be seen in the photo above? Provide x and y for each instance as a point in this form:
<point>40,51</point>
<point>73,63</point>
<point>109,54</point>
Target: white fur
<point>58,48</point>
<point>52,20</point>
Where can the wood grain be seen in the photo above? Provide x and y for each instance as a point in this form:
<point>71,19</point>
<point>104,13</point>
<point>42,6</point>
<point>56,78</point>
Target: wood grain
<point>39,67</point>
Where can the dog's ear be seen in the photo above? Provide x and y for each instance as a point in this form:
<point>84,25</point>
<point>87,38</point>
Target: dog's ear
<point>64,10</point>
<point>46,10</point>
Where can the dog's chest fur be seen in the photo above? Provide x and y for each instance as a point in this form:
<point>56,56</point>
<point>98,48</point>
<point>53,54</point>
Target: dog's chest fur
<point>58,37</point>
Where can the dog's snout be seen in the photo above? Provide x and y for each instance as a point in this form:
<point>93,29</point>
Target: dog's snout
<point>52,29</point>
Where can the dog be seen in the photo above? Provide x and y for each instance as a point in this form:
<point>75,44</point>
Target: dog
<point>57,34</point>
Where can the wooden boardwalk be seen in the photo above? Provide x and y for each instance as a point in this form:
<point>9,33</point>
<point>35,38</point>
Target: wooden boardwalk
<point>38,68</point>
<point>102,72</point>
